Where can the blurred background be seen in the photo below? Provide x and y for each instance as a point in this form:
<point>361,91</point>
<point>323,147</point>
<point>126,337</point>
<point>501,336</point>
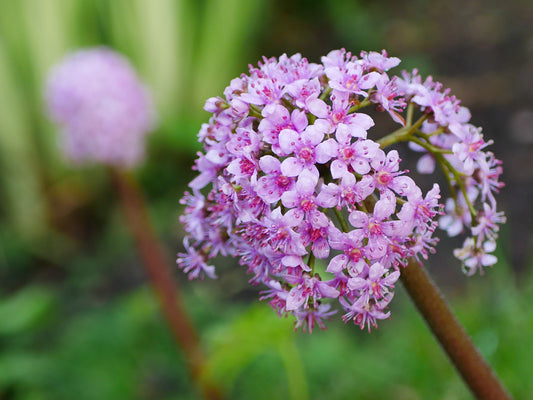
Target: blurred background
<point>77,317</point>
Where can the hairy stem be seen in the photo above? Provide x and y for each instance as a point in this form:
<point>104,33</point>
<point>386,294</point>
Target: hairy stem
<point>476,372</point>
<point>161,279</point>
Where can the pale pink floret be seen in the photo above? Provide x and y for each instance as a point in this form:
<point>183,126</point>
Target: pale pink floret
<point>377,284</point>
<point>309,288</point>
<point>280,233</point>
<point>468,149</point>
<point>488,223</point>
<point>347,154</point>
<point>375,226</point>
<point>353,260</point>
<point>363,313</point>
<point>301,147</point>
<point>194,263</point>
<point>331,116</point>
<point>380,62</point>
<point>346,193</point>
<point>308,318</point>
<point>418,209</point>
<point>386,169</point>
<point>457,215</point>
<point>277,118</point>
<point>476,257</point>
<point>271,186</point>
<point>302,196</point>
<point>351,78</point>
<point>304,91</point>
<point>387,97</point>
<point>336,58</point>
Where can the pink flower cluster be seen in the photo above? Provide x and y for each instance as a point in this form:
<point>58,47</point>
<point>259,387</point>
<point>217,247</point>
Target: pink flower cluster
<point>473,173</point>
<point>104,110</point>
<point>290,183</point>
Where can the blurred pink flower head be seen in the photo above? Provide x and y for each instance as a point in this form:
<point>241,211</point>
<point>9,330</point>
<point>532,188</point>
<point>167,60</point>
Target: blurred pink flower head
<point>103,109</point>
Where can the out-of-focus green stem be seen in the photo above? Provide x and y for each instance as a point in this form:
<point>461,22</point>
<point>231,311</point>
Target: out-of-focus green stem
<point>295,370</point>
<point>160,275</point>
<point>476,372</point>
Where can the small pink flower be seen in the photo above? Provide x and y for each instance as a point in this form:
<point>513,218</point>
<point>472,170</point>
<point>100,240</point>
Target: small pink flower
<point>193,263</point>
<point>309,289</point>
<point>475,257</point>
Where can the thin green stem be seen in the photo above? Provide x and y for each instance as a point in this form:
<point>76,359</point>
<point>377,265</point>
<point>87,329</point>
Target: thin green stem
<point>436,132</point>
<point>447,176</point>
<point>446,166</point>
<point>427,144</point>
<point>325,93</point>
<point>311,262</point>
<point>288,105</point>
<point>402,134</point>
<point>358,106</point>
<point>410,111</point>
<point>362,207</point>
<point>440,158</point>
<point>445,163</point>
<point>255,111</point>
<point>341,219</point>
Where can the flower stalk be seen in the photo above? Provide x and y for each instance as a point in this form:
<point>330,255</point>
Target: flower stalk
<point>105,113</point>
<point>402,134</point>
<point>451,335</point>
<point>160,276</point>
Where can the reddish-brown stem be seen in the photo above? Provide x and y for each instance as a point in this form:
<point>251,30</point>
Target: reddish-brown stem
<point>160,275</point>
<point>475,371</point>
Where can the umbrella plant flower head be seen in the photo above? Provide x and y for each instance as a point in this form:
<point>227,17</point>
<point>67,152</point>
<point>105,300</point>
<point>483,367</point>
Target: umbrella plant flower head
<point>105,112</point>
<point>298,181</point>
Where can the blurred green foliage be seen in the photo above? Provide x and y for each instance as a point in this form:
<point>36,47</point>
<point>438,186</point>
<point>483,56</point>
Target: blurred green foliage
<point>121,349</point>
<point>170,42</point>
<point>76,318</point>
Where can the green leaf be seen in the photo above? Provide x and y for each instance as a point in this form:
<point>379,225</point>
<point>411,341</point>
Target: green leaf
<point>22,368</point>
<point>25,310</point>
<point>227,30</point>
